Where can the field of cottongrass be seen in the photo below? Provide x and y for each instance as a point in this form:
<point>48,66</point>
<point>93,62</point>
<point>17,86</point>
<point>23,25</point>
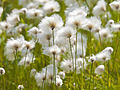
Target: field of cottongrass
<point>59,44</point>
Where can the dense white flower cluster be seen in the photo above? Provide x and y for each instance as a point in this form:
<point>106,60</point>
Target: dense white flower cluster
<point>58,37</point>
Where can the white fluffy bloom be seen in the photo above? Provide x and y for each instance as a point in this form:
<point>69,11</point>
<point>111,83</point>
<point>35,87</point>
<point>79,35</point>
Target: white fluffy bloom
<point>29,45</point>
<point>54,50</point>
<point>115,28</point>
<point>67,66</point>
<point>59,82</point>
<point>51,6</point>
<point>15,11</point>
<point>13,19</point>
<point>6,26</point>
<point>110,23</point>
<point>66,32</point>
<point>42,2</point>
<point>70,2</point>
<point>20,28</point>
<point>115,5</point>
<point>12,46</point>
<point>82,11</point>
<point>105,34</point>
<point>2,71</point>
<point>91,23</point>
<point>34,31</point>
<point>75,21</point>
<point>100,8</point>
<point>26,60</point>
<point>92,58</point>
<point>20,87</point>
<point>51,23</point>
<point>23,10</point>
<point>33,72</point>
<point>32,5</point>
<point>40,77</point>
<point>62,75</point>
<point>44,38</point>
<point>34,13</point>
<point>61,41</point>
<point>105,54</point>
<point>99,70</point>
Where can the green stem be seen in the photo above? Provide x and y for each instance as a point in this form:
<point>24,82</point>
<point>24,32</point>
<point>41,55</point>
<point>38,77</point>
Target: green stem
<point>83,62</point>
<point>15,65</point>
<point>108,76</point>
<point>54,70</point>
<point>53,36</point>
<point>104,78</point>
<point>100,40</point>
<point>71,53</point>
<point>75,59</point>
<point>90,75</point>
<point>93,76</point>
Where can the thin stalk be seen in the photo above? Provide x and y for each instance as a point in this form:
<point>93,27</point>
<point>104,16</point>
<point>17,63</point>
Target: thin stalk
<point>75,58</point>
<point>49,42</point>
<point>15,66</point>
<point>54,69</point>
<point>45,72</point>
<point>104,78</point>
<point>43,85</point>
<point>25,56</point>
<point>83,61</point>
<point>53,36</point>
<point>117,45</point>
<point>93,75</point>
<point>71,53</point>
<point>108,75</point>
<point>100,40</point>
<point>115,53</point>
<point>87,4</point>
<point>90,75</point>
<point>91,62</point>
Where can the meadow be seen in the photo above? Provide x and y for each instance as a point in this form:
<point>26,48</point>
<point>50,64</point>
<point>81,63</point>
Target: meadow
<point>59,44</point>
